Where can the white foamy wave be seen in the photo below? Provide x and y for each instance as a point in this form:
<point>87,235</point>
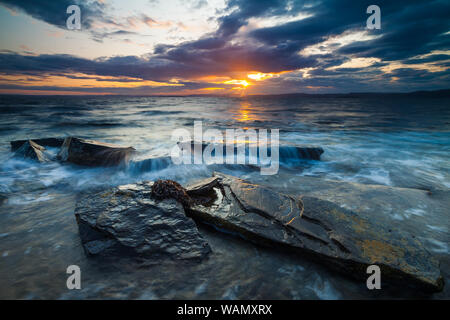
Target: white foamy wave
<point>323,289</point>
<point>231,293</point>
<point>437,246</point>
<point>438,229</point>
<point>27,199</point>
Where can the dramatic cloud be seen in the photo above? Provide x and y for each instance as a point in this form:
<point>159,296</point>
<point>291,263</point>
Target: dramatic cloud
<point>263,46</point>
<point>53,12</point>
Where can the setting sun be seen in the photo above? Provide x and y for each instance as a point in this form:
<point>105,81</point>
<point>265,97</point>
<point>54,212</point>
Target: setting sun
<point>243,83</point>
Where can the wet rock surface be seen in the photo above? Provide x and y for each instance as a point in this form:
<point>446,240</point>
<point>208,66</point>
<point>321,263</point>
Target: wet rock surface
<point>286,152</point>
<point>347,226</point>
<point>323,230</point>
<point>31,150</point>
<point>93,153</point>
<point>127,221</point>
<point>388,204</point>
<point>45,142</point>
<point>169,189</point>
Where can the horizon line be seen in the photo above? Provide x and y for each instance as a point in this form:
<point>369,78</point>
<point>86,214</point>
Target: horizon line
<point>446,91</point>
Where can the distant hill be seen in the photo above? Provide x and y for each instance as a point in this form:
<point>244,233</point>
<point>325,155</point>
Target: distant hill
<point>431,93</point>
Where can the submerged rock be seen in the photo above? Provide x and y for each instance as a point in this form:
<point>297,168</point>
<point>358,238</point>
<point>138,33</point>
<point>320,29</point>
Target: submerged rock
<point>93,153</point>
<point>31,150</point>
<point>126,220</point>
<point>45,142</point>
<point>338,237</point>
<point>287,153</point>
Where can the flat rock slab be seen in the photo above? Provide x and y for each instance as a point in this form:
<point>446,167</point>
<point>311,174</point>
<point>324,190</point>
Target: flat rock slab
<point>336,236</point>
<point>389,204</point>
<point>127,221</point>
<point>93,153</point>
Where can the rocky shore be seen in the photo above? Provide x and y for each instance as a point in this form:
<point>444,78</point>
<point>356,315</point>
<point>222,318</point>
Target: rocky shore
<point>336,224</point>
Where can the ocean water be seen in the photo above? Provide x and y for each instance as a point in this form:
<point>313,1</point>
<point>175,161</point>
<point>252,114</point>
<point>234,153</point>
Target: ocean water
<point>392,140</point>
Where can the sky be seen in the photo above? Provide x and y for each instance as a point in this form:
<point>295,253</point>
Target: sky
<point>223,47</point>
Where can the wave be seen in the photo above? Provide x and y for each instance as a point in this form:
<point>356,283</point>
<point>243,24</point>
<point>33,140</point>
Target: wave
<point>159,112</point>
<point>88,124</point>
<point>148,165</point>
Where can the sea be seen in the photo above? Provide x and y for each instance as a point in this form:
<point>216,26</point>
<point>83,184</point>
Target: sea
<point>397,140</point>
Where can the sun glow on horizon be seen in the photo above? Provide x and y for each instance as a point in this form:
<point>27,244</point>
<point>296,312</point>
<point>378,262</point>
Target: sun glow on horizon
<point>82,80</point>
<point>243,83</point>
<point>260,76</point>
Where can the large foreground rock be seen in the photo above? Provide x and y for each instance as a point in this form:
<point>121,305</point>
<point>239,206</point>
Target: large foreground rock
<point>31,150</point>
<point>127,221</point>
<point>93,153</point>
<point>338,237</point>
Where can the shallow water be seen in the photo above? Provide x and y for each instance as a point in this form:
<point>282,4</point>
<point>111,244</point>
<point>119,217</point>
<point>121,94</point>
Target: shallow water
<point>390,140</point>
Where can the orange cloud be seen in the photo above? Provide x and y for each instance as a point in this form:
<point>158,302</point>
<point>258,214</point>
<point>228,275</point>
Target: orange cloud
<point>53,92</point>
<point>81,80</point>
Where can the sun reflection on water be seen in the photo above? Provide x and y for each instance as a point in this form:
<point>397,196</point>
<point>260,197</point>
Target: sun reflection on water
<point>246,113</point>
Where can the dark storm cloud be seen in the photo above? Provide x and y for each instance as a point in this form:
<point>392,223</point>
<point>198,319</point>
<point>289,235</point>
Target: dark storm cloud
<point>409,29</point>
<point>417,28</point>
<point>436,58</point>
<point>54,11</point>
<point>13,63</point>
<point>177,63</point>
<point>141,90</point>
<point>244,10</point>
<point>232,58</point>
<point>216,54</point>
<point>418,75</point>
